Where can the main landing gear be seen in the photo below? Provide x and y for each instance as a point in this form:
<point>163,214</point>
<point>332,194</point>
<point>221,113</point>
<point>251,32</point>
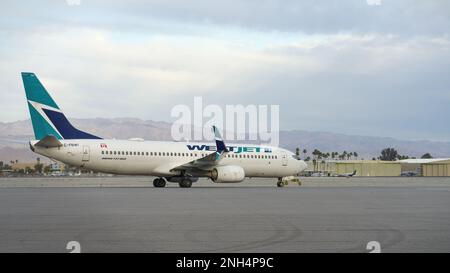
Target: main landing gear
<point>185,183</point>
<point>159,182</point>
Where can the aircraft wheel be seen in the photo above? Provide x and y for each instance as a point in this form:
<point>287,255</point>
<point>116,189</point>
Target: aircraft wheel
<point>185,183</point>
<point>280,184</point>
<point>159,183</point>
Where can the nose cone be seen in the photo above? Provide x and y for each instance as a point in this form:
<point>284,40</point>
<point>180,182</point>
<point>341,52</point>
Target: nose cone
<point>302,166</point>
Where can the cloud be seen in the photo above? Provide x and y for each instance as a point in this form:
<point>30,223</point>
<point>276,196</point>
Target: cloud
<point>351,73</point>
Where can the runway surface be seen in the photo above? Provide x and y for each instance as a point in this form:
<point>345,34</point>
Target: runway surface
<point>324,215</point>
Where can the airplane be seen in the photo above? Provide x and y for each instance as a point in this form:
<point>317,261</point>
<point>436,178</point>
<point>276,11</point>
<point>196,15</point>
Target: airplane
<point>177,162</point>
<point>348,175</point>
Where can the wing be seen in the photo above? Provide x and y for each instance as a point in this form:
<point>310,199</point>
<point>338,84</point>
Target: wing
<point>209,161</point>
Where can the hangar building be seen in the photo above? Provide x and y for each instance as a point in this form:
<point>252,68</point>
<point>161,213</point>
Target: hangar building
<point>427,167</point>
<point>362,167</point>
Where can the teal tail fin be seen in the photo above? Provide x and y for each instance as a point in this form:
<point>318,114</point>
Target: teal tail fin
<point>46,117</point>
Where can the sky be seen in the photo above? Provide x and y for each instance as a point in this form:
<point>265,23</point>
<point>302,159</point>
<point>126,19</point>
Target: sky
<point>361,67</point>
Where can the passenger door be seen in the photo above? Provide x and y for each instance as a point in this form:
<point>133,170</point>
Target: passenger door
<point>284,159</point>
<point>86,154</point>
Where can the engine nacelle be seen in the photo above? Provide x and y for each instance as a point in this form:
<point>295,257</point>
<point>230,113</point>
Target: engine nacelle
<point>228,174</point>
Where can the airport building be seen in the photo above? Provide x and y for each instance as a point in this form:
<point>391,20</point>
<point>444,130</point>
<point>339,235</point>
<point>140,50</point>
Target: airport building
<point>362,167</point>
<point>437,167</point>
<point>427,167</point>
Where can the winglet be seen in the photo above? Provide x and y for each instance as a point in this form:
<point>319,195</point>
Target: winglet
<point>221,147</point>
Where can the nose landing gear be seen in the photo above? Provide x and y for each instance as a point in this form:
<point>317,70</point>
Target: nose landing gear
<point>284,181</point>
<point>280,183</point>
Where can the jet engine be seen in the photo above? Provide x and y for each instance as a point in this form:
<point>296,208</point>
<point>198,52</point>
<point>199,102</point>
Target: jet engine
<point>228,174</point>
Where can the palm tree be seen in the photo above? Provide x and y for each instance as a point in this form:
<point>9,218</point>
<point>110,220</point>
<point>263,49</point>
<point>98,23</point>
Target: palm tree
<point>325,161</point>
<point>297,152</point>
<point>315,153</point>
<point>355,154</point>
<point>38,167</point>
<point>304,153</point>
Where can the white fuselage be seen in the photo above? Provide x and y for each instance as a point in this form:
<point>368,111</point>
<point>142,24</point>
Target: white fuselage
<point>158,158</point>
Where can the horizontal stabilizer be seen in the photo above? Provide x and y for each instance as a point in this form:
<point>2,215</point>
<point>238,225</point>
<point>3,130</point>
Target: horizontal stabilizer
<point>49,141</point>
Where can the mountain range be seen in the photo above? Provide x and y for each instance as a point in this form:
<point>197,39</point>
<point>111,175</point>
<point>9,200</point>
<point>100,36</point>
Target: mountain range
<point>14,137</point>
